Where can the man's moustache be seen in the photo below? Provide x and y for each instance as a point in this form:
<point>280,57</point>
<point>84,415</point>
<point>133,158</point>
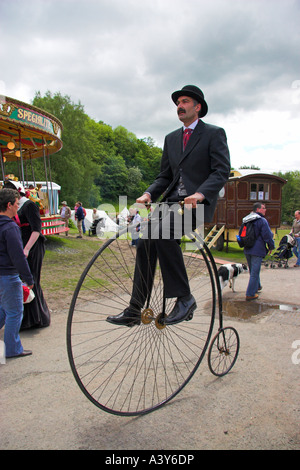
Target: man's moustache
<point>180,110</point>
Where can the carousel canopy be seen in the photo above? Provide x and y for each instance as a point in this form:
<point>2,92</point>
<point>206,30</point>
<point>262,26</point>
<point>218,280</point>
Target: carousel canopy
<point>27,131</point>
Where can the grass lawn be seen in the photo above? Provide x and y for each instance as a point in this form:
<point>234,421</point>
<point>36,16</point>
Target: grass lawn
<point>65,260</point>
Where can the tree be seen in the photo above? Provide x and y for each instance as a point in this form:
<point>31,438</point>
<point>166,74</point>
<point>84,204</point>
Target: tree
<point>113,179</point>
<point>135,185</point>
<point>247,167</point>
<point>148,159</point>
<point>73,168</point>
<point>290,195</point>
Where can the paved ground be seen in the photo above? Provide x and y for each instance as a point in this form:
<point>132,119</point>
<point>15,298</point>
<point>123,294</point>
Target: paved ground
<point>256,406</point>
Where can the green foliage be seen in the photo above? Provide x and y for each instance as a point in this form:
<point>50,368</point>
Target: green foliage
<point>74,167</point>
<point>247,167</point>
<point>290,195</point>
<point>96,162</point>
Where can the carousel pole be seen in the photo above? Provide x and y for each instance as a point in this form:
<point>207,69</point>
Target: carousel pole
<point>2,166</point>
<point>26,173</point>
<point>51,186</point>
<point>19,169</point>
<point>32,170</point>
<point>46,175</point>
<point>21,159</point>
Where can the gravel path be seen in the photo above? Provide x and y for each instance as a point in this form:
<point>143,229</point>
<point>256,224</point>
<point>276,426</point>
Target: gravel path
<point>256,406</point>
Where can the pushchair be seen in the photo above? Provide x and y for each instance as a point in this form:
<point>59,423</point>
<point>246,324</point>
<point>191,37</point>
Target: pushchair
<point>282,255</point>
<point>93,230</point>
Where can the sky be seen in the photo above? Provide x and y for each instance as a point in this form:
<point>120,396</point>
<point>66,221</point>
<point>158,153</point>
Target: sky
<point>122,60</point>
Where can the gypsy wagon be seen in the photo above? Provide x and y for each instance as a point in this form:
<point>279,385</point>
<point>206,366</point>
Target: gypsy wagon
<point>236,199</point>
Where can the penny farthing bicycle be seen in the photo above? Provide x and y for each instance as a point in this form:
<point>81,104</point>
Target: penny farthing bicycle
<point>132,371</point>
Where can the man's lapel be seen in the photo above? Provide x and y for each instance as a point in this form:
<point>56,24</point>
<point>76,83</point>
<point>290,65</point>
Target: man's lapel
<point>193,140</point>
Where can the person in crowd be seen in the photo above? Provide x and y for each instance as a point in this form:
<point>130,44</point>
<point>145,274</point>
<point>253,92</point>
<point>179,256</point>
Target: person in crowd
<point>36,313</point>
<point>79,215</point>
<point>14,269</point>
<point>295,232</point>
<point>195,166</point>
<point>135,230</point>
<point>263,245</point>
<point>65,214</point>
<point>83,220</point>
<point>95,214</point>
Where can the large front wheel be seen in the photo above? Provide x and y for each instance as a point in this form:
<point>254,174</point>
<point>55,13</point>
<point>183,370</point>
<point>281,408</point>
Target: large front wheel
<point>131,371</point>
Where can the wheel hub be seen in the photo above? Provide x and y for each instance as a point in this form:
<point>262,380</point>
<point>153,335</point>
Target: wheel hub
<point>148,316</point>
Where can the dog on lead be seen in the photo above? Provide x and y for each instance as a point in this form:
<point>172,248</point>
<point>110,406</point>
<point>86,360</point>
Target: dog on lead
<point>229,272</point>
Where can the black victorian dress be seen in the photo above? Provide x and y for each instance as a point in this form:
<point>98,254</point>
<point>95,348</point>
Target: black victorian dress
<point>36,313</point>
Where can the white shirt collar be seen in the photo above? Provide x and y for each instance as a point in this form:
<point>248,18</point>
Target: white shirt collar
<point>22,200</point>
<point>192,126</point>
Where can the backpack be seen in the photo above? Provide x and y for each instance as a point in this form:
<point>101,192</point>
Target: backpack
<point>246,237</point>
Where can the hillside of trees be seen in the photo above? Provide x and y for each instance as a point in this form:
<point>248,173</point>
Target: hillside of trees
<point>98,164</point>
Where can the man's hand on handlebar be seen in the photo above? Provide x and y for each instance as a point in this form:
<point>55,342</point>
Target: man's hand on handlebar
<point>192,200</point>
<point>144,199</point>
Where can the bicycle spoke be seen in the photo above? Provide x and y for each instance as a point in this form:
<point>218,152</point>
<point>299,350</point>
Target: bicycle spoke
<point>130,371</point>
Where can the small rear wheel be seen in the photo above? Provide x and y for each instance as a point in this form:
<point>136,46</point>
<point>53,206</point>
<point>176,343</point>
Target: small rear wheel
<point>223,351</point>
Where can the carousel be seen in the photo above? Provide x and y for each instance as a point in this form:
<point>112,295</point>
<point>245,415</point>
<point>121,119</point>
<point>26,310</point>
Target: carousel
<point>27,133</point>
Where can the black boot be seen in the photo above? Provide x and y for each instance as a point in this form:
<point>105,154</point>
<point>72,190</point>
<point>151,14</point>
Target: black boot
<point>129,317</point>
<point>183,310</point>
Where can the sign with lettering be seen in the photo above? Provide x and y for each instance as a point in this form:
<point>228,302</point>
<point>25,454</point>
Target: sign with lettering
<point>15,111</point>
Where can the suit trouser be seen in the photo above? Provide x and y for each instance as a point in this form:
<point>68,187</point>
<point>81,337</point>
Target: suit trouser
<point>160,241</point>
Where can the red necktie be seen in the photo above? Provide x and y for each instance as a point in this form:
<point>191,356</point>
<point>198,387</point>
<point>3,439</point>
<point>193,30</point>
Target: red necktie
<point>186,136</point>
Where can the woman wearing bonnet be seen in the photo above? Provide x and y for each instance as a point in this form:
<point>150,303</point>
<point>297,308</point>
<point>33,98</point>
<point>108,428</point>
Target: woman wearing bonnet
<point>36,313</point>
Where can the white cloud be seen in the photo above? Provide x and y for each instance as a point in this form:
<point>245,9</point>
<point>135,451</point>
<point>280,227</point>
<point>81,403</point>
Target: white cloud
<point>267,139</point>
<point>123,59</point>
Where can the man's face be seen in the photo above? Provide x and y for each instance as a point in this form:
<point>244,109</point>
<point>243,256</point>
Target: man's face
<point>187,111</point>
<point>297,215</point>
<point>262,210</point>
<point>13,208</point>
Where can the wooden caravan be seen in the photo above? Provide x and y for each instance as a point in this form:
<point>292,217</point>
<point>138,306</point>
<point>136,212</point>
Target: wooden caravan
<point>243,189</point>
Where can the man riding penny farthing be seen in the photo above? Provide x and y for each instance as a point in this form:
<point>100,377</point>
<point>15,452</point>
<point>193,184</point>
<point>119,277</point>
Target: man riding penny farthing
<point>141,318</point>
<point>195,166</point>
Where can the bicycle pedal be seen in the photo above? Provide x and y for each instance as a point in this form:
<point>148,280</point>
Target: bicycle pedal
<point>191,314</point>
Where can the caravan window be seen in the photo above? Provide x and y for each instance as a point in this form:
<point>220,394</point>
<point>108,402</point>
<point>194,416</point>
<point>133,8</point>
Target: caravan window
<point>253,191</point>
<point>259,191</point>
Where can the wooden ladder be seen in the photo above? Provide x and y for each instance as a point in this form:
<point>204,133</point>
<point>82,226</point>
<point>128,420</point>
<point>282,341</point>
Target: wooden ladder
<point>213,235</point>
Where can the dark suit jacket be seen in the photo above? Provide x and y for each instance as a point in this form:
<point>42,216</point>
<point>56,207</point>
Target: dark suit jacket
<point>204,165</point>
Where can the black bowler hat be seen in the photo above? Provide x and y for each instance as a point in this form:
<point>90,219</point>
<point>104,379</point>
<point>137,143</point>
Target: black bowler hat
<point>193,92</point>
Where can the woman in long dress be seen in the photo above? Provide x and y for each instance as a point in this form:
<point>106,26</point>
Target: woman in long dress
<point>36,313</point>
